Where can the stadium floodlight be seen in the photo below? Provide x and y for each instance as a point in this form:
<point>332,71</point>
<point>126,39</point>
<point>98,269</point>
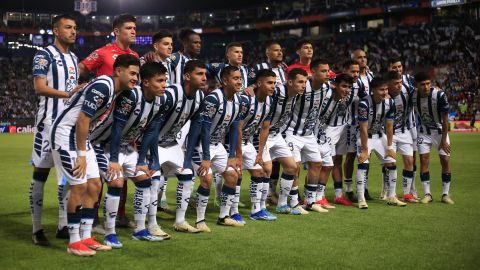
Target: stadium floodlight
<point>211,15</point>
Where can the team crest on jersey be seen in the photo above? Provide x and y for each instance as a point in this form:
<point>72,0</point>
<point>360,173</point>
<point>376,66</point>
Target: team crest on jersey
<point>227,117</point>
<point>40,62</point>
<point>93,55</point>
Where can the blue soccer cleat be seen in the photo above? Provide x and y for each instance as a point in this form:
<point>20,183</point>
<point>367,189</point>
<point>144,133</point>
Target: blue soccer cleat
<point>283,209</point>
<point>238,218</point>
<point>260,215</point>
<point>112,240</point>
<point>145,235</point>
<point>270,216</point>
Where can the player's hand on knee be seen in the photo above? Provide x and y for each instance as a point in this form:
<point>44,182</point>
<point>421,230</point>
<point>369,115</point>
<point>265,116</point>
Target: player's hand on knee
<point>80,169</point>
<point>259,160</point>
<point>445,146</point>
<point>204,167</point>
<point>363,156</point>
<point>144,169</point>
<point>114,171</point>
<point>391,153</point>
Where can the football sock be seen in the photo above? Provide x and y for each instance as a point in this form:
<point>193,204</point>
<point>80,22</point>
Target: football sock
<point>256,184</point>
<point>202,202</point>
<point>110,208</point>
<point>407,181</point>
<point>446,179</point>
<point>154,191</point>
<point>184,191</point>
<point>286,182</point>
<point>264,193</point>
<point>310,193</point>
<point>86,222</point>
<point>425,178</point>
<point>348,185</point>
<point>73,220</point>
<point>320,192</point>
<point>141,203</point>
<point>338,187</point>
<point>63,194</point>
<point>236,199</point>
<point>294,197</point>
<point>361,178</point>
<point>36,198</point>
<point>226,200</point>
<point>391,173</point>
<point>163,189</point>
<point>217,178</point>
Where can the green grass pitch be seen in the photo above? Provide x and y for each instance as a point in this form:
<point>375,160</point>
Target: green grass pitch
<point>434,236</point>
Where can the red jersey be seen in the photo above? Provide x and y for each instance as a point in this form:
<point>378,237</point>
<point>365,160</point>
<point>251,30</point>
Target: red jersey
<point>102,59</point>
<point>298,65</point>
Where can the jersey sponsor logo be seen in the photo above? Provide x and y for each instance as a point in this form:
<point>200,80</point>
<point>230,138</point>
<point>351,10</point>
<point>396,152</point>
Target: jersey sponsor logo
<point>126,106</point>
<point>59,63</point>
<point>40,62</point>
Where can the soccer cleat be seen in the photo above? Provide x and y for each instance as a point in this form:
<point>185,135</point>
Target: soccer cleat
<point>112,240</point>
<point>427,198</point>
<point>446,199</point>
<point>228,221</point>
<point>270,216</point>
<point>98,229</point>
<point>367,195</point>
<point>362,204</point>
<point>157,231</point>
<point>299,210</point>
<point>395,202</point>
<point>284,209</point>
<point>238,218</point>
<point>62,233</point>
<point>145,235</point>
<point>201,226</point>
<point>185,227</point>
<point>324,203</point>
<point>351,196</point>
<point>260,215</point>
<point>316,208</point>
<point>124,222</point>
<point>91,243</point>
<point>80,249</point>
<point>409,198</point>
<point>383,196</point>
<point>343,201</point>
<point>40,239</point>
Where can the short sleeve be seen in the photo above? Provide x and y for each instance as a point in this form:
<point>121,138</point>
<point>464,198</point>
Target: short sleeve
<point>210,106</point>
<point>95,97</point>
<point>124,105</point>
<point>363,111</point>
<point>390,115</point>
<point>41,64</point>
<point>244,106</point>
<point>94,60</point>
<point>443,105</point>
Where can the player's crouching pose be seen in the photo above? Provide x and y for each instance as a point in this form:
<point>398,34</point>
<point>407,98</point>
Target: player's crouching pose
<point>74,156</point>
<point>218,116</point>
<point>375,118</point>
<point>255,119</point>
<point>431,106</point>
<point>117,157</point>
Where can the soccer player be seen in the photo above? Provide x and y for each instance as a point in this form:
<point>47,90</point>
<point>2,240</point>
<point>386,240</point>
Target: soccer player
<point>55,72</point>
<point>300,137</point>
<point>101,61</point>
<point>278,149</point>
<point>117,157</point>
<point>74,156</point>
<point>305,54</point>
<point>234,54</point>
<point>402,137</point>
<point>192,46</point>
<point>255,119</point>
<point>395,64</point>
<point>274,53</point>
<point>376,114</point>
<point>431,107</point>
<point>332,134</point>
<point>219,115</point>
<point>181,104</point>
<point>366,76</point>
<point>162,48</point>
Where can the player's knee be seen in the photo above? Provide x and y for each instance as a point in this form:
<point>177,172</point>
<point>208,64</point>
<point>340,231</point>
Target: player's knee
<point>116,183</point>
<point>337,160</point>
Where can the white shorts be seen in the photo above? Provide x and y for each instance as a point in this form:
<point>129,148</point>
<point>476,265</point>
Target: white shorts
<point>377,145</point>
<point>42,150</point>
<point>403,143</point>
<point>414,138</point>
<point>338,139</point>
<point>218,157</point>
<point>171,159</point>
<point>326,154</point>
<point>126,158</point>
<point>425,142</point>
<point>249,155</point>
<point>65,162</point>
<point>277,148</point>
<point>305,148</point>
<point>351,138</point>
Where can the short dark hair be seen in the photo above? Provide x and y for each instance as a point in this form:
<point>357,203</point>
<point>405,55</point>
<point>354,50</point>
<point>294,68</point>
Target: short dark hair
<point>343,77</point>
<point>163,33</point>
<point>394,59</point>
<point>263,73</point>
<point>150,69</point>
<point>377,82</point>
<point>302,42</point>
<point>296,71</point>
<point>233,44</point>
<point>348,63</point>
<point>121,19</point>
<point>421,76</point>
<point>191,65</point>
<point>184,33</point>
<point>226,71</point>
<point>126,60</point>
<point>392,75</point>
<point>317,62</point>
<point>272,42</point>
<point>60,17</point>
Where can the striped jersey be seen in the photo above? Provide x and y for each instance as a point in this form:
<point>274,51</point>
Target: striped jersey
<point>178,61</point>
<point>358,92</point>
<point>132,112</point>
<point>281,110</point>
<point>281,77</point>
<point>306,110</point>
<point>364,81</point>
<point>376,114</point>
<point>214,70</point>
<point>167,64</point>
<point>95,100</point>
<point>254,113</point>
<point>61,72</point>
<point>178,109</point>
<point>430,109</point>
<point>408,84</point>
<point>403,110</point>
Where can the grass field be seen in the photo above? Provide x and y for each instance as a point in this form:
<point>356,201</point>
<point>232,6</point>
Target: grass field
<point>434,236</point>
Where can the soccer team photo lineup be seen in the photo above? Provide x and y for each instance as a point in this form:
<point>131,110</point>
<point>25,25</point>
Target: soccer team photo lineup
<point>263,132</point>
